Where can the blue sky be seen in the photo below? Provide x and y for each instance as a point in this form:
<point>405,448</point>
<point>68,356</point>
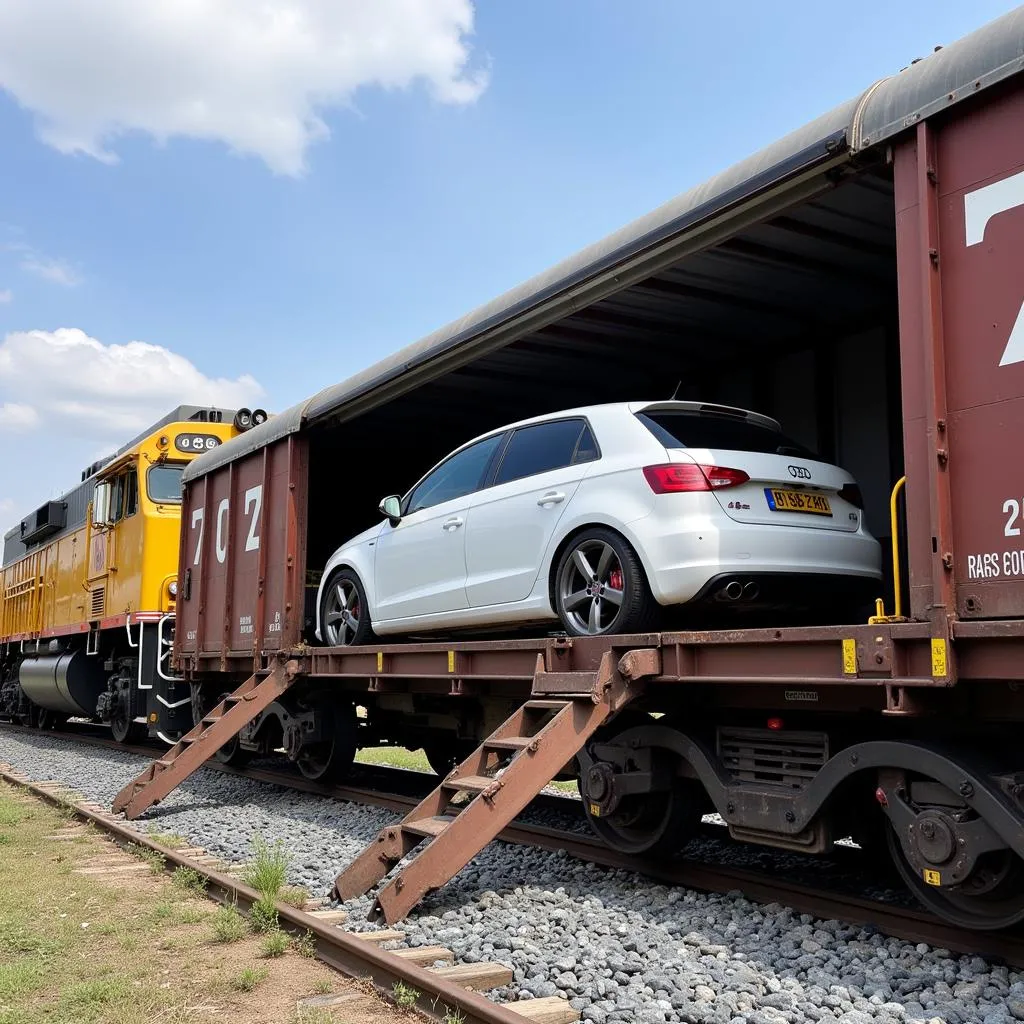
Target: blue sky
<point>152,188</point>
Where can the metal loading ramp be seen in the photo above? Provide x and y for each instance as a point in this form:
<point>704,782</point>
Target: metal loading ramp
<point>222,724</point>
<point>501,777</point>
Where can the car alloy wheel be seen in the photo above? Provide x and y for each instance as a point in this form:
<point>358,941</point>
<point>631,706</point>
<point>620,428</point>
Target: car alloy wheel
<point>344,617</point>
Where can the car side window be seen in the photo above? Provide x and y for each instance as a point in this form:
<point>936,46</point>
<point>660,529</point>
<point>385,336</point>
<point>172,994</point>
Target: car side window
<point>546,446</point>
<point>462,474</point>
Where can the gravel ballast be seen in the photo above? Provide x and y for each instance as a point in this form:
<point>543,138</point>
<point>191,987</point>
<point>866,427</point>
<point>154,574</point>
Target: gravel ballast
<point>621,948</point>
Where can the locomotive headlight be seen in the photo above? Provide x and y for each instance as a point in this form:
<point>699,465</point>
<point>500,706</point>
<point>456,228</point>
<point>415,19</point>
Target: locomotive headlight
<point>172,588</point>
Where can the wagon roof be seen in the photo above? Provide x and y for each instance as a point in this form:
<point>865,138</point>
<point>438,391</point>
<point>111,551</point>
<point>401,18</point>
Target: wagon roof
<point>987,56</point>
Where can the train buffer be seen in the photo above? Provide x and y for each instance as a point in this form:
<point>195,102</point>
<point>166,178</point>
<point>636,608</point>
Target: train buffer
<point>500,778</point>
<point>197,746</point>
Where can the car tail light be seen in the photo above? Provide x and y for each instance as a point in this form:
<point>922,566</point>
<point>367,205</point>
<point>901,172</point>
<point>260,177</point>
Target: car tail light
<point>674,477</point>
<point>851,493</point>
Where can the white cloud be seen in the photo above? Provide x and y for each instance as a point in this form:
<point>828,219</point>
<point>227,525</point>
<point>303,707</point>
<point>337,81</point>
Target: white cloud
<point>56,271</point>
<point>66,376</point>
<point>15,416</point>
<point>257,76</point>
<point>66,399</point>
<point>6,296</point>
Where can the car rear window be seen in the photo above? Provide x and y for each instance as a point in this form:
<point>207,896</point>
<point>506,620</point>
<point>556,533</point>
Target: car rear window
<point>703,430</point>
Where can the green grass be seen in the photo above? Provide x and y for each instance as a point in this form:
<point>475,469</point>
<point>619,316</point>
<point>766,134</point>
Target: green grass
<point>405,995</point>
<point>268,869</point>
<point>189,881</point>
<point>323,987</point>
<point>305,945</point>
<point>263,915</point>
<point>294,895</point>
<point>169,839</point>
<point>250,978</point>
<point>275,944</point>
<point>315,1015</point>
<point>416,760</point>
<point>228,925</point>
<point>397,757</point>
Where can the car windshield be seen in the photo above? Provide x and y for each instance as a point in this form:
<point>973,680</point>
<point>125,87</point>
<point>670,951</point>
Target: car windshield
<point>164,483</point>
<point>704,430</point>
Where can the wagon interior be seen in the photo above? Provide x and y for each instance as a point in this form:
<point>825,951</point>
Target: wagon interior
<point>794,315</point>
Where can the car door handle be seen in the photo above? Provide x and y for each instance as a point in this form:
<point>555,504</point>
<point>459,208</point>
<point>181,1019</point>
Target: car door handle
<point>551,498</point>
<point>451,524</point>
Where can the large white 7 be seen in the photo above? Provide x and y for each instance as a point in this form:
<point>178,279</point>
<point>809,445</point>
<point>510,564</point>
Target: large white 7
<point>980,206</point>
<point>197,520</point>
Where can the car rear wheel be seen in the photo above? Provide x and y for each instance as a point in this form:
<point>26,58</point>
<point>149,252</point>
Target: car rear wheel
<point>344,615</point>
<point>600,587</point>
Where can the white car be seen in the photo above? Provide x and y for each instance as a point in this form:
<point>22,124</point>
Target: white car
<point>600,517</point>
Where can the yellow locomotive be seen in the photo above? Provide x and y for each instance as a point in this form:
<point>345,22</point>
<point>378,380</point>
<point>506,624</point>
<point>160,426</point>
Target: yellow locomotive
<point>89,582</point>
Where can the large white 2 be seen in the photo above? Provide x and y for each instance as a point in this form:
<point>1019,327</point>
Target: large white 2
<point>980,206</point>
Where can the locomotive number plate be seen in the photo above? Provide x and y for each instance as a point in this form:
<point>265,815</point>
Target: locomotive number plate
<point>797,501</point>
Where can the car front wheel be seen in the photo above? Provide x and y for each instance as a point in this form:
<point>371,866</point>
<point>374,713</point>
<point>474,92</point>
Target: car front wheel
<point>600,587</point>
<point>344,615</point>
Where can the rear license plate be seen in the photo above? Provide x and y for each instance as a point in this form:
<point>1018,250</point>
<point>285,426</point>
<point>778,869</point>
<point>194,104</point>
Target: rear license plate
<point>797,501</point>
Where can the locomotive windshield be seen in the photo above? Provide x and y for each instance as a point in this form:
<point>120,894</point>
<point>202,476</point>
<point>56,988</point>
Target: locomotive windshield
<point>164,483</point>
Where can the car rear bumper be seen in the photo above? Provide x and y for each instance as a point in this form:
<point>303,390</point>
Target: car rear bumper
<point>684,564</point>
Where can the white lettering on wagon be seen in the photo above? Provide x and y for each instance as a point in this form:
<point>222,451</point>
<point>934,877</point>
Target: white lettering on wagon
<point>252,509</point>
<point>980,206</point>
<point>245,623</point>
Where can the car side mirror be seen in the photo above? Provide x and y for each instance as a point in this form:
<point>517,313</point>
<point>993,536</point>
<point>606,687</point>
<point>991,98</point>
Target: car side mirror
<point>392,508</point>
<point>101,505</point>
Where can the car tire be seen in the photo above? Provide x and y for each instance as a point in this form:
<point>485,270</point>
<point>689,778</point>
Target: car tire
<point>582,599</point>
<point>344,594</point>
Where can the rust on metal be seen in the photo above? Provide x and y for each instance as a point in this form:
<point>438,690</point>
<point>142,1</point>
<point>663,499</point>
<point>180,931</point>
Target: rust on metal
<point>559,728</point>
<point>220,725</point>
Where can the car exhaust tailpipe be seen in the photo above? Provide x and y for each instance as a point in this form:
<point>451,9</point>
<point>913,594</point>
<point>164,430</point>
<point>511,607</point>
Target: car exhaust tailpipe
<point>751,591</point>
<point>733,591</point>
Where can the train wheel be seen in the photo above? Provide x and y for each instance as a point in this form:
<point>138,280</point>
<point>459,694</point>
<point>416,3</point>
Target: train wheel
<point>992,897</point>
<point>50,719</point>
<point>233,754</point>
<point>651,824</point>
<point>332,758</point>
<point>122,728</point>
<point>954,864</point>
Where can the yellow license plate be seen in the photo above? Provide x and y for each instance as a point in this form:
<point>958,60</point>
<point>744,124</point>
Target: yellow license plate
<point>797,501</point>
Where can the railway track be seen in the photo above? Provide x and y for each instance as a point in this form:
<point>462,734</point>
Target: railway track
<point>903,922</point>
<point>443,992</point>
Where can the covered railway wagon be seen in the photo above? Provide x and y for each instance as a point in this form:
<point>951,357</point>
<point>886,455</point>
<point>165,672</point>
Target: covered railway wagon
<point>861,280</point>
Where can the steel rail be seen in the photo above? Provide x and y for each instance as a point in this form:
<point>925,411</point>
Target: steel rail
<point>907,923</point>
<point>351,956</point>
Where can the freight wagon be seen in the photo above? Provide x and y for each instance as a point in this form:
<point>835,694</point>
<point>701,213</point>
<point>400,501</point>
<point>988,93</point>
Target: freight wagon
<point>862,281</point>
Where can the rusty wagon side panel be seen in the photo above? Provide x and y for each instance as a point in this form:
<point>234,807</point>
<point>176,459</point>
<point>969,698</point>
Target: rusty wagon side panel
<point>243,559</point>
<point>960,239</point>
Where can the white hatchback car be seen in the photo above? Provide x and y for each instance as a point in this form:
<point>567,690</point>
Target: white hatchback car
<point>600,517</point>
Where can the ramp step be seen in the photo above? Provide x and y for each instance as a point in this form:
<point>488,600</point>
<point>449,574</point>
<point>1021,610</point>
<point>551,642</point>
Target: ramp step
<point>509,743</point>
<point>545,705</point>
<point>549,1010</point>
<point>475,976</point>
<point>426,826</point>
<point>468,784</point>
<point>425,956</point>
